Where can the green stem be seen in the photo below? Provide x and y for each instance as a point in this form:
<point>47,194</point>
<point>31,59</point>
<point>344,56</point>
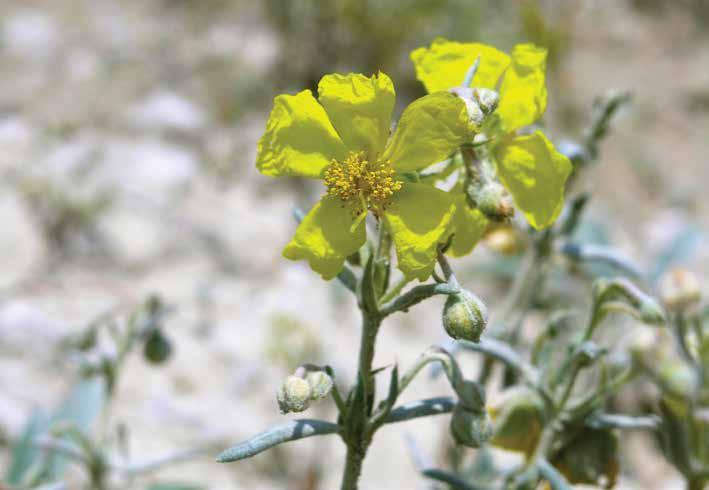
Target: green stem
<point>393,291</point>
<point>357,434</point>
<point>695,483</point>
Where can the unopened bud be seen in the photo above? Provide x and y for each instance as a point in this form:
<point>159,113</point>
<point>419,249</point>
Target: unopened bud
<point>157,348</point>
<point>651,312</point>
<point>470,428</point>
<point>320,384</point>
<point>504,239</point>
<point>294,395</point>
<point>518,417</point>
<point>644,306</point>
<point>466,95</point>
<point>493,200</point>
<point>680,289</point>
<point>471,395</point>
<point>644,346</point>
<point>464,316</point>
<point>487,99</point>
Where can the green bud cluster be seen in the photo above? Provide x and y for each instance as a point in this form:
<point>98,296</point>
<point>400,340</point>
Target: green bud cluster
<point>296,393</point>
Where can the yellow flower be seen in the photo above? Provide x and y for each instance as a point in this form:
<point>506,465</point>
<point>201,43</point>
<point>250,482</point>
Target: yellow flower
<point>343,138</point>
<point>529,166</point>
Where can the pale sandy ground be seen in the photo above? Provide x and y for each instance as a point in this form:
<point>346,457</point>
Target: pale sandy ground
<point>115,84</point>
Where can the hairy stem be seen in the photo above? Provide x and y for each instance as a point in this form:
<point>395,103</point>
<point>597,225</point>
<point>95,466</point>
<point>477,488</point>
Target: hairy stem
<point>357,434</point>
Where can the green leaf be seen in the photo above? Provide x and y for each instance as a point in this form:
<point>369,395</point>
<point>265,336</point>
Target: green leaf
<point>290,431</point>
<point>535,174</point>
<point>24,453</point>
<point>80,409</point>
<point>328,234</point>
<point>299,139</point>
<point>360,109</point>
<point>589,458</point>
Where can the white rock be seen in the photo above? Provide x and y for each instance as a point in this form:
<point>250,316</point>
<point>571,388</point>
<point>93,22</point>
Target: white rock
<point>150,167</point>
<point>23,325</point>
<point>30,34</point>
<point>167,110</point>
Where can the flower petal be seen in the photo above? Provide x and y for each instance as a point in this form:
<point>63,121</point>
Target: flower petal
<point>445,64</point>
<point>535,174</point>
<point>418,219</point>
<point>299,139</point>
<point>359,108</point>
<point>429,131</point>
<point>328,234</point>
<point>469,224</point>
<point>523,93</point>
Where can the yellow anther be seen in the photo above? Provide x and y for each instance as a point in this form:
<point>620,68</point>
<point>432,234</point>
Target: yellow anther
<point>362,184</point>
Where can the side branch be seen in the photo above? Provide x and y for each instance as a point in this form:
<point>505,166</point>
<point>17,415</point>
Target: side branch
<point>414,296</point>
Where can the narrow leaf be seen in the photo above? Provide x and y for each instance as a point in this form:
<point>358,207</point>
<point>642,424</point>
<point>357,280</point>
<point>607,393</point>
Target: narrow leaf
<point>291,431</point>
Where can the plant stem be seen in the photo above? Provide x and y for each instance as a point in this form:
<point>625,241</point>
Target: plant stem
<point>695,483</point>
<point>357,434</point>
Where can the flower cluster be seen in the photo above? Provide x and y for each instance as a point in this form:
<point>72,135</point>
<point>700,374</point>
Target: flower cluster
<point>343,137</point>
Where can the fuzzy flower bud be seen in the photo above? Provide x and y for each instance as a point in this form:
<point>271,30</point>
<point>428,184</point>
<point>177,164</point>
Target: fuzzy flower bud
<point>680,289</point>
<point>294,395</point>
<point>470,428</point>
<point>487,99</point>
<point>464,316</point>
<point>493,200</point>
<point>644,306</point>
<point>471,395</point>
<point>320,384</point>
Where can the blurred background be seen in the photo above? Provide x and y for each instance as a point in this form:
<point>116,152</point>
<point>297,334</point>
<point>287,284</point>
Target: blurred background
<point>128,132</point>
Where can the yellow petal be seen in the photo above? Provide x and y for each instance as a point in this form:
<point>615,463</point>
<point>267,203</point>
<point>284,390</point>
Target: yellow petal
<point>444,64</point>
<point>429,131</point>
<point>523,93</point>
<point>359,108</point>
<point>419,219</point>
<point>535,174</point>
<point>299,139</point>
<point>328,234</point>
<point>469,225</point>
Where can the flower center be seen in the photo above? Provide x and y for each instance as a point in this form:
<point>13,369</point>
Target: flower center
<point>362,184</point>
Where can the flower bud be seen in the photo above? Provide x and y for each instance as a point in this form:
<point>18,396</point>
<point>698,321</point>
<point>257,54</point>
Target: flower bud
<point>493,200</point>
<point>464,316</point>
<point>486,98</point>
<point>680,289</point>
<point>504,240</point>
<point>644,306</point>
<point>471,395</point>
<point>470,428</point>
<point>294,395</point>
<point>320,384</point>
<point>157,348</point>
<point>518,417</point>
<point>651,312</point>
<point>644,347</point>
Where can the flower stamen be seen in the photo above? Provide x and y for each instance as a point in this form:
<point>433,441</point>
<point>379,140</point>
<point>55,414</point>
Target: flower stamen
<point>362,184</point>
